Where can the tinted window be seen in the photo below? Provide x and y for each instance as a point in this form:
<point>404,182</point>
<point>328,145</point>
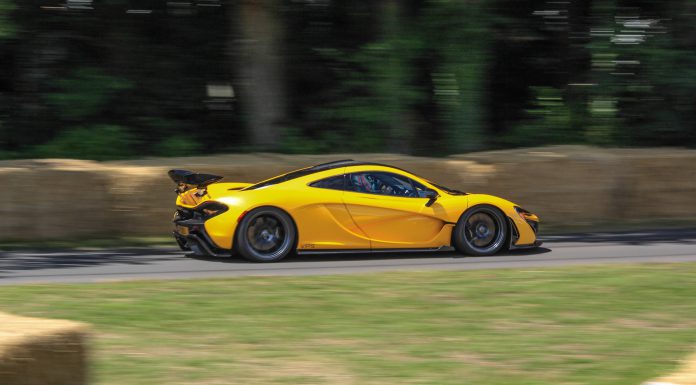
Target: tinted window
<point>383,183</point>
<point>420,189</point>
<point>334,183</point>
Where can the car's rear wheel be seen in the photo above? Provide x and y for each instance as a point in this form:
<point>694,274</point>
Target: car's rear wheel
<point>265,234</point>
<point>481,230</point>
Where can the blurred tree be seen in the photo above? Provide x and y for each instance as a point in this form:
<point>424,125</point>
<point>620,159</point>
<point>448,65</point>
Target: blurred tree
<point>373,93</point>
<point>655,78</point>
<point>145,65</point>
<point>538,52</point>
<point>643,73</point>
<point>260,70</point>
<point>548,122</point>
<point>459,35</point>
<point>86,93</point>
<point>329,77</point>
<point>603,102</point>
<point>99,142</point>
<point>7,26</point>
<point>178,145</point>
<point>428,77</point>
<point>8,30</point>
<point>411,82</point>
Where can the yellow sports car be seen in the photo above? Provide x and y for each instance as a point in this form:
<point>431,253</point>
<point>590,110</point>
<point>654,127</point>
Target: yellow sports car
<point>342,206</point>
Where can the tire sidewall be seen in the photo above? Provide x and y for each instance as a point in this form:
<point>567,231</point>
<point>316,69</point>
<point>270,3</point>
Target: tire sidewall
<point>463,246</point>
<point>248,252</point>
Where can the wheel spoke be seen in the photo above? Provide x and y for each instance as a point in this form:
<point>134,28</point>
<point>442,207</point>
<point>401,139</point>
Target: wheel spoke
<point>266,234</point>
<point>481,230</point>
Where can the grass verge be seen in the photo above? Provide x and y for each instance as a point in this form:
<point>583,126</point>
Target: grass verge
<point>580,325</point>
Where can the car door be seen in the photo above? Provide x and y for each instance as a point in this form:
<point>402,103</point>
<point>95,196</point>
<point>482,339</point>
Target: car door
<point>325,224</point>
<point>391,210</point>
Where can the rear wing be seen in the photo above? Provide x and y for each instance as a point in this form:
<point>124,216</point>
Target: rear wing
<point>187,180</point>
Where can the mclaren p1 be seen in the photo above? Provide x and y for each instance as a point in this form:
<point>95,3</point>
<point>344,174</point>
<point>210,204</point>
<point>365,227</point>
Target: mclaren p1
<point>339,207</point>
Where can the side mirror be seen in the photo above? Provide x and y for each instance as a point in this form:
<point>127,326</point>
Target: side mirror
<point>432,197</point>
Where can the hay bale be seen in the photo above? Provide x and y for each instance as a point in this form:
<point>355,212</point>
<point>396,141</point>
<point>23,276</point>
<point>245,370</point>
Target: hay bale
<point>685,374</point>
<point>570,187</point>
<point>54,199</point>
<point>36,351</point>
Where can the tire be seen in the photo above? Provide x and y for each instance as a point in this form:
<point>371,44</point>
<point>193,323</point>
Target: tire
<point>265,234</point>
<point>481,230</point>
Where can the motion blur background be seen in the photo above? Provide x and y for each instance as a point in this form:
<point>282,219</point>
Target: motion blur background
<point>427,85</point>
<point>115,79</point>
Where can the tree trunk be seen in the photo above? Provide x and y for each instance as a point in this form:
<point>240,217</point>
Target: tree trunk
<point>260,71</point>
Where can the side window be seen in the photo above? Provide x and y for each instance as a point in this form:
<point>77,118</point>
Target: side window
<point>333,183</point>
<point>383,183</point>
<point>421,190</point>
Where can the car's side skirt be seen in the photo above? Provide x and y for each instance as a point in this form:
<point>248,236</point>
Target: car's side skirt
<point>395,250</point>
<point>536,243</point>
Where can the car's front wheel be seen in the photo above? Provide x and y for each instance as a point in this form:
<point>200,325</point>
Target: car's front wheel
<point>481,230</point>
<point>265,234</point>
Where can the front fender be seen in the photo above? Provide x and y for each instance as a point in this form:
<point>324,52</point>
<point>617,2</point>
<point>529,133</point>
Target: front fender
<point>527,236</point>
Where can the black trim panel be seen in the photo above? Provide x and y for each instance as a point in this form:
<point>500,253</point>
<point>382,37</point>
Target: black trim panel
<point>193,240</point>
<point>199,239</point>
<point>354,251</point>
<point>514,233</point>
<point>530,246</point>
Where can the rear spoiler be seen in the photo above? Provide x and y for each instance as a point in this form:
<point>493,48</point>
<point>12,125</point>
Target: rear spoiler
<point>187,180</point>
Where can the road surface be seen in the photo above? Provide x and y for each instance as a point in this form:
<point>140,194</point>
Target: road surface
<point>26,266</point>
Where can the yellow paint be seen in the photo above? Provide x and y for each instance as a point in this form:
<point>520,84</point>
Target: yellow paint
<point>333,219</point>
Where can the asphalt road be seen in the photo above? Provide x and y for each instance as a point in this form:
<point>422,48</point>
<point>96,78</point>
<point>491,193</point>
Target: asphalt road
<point>22,267</point>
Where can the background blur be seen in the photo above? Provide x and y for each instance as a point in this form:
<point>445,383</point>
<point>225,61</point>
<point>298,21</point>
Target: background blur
<point>112,79</point>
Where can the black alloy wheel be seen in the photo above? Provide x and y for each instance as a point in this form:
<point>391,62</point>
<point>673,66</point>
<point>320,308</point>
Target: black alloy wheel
<point>265,234</point>
<point>481,230</point>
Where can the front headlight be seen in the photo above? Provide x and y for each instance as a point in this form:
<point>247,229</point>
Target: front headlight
<point>526,215</point>
<point>531,219</point>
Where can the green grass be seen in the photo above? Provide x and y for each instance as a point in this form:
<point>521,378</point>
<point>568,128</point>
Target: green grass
<point>589,325</point>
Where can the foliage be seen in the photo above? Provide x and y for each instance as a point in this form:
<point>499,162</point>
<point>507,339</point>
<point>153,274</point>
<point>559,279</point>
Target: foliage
<point>296,143</point>
<point>7,27</point>
<point>100,142</point>
<point>549,122</point>
<point>178,145</point>
<point>370,101</point>
<point>86,93</point>
<point>426,77</point>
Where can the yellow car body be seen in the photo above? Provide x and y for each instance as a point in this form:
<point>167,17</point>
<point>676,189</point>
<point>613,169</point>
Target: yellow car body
<point>340,219</point>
